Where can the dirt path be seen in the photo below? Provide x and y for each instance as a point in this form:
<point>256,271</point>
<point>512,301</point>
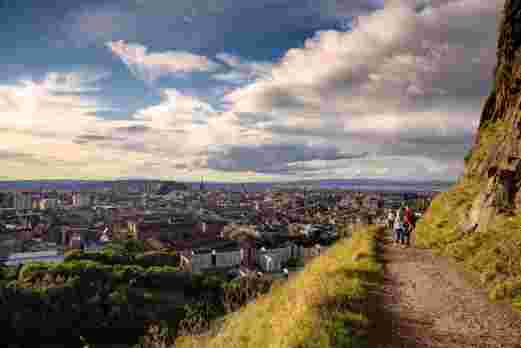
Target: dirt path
<point>427,302</point>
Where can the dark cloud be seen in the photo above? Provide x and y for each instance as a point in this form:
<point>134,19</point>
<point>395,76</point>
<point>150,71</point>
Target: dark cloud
<point>138,129</point>
<point>203,24</point>
<point>249,119</point>
<point>93,138</point>
<point>272,158</point>
<point>180,166</point>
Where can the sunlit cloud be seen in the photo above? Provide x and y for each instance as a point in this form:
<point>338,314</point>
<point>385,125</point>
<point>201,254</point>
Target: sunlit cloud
<point>151,66</point>
<point>395,92</point>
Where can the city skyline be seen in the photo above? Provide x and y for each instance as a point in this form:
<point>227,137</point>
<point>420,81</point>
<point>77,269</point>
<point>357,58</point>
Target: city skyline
<point>251,91</point>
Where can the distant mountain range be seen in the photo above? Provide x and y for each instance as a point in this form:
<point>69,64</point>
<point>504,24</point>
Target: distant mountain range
<point>352,184</point>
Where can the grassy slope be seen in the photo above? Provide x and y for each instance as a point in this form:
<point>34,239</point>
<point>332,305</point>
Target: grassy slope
<point>495,255</point>
<point>320,307</point>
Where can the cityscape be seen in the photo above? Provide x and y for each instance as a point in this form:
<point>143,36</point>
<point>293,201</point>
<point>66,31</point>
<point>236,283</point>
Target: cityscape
<point>260,174</point>
<point>247,231</point>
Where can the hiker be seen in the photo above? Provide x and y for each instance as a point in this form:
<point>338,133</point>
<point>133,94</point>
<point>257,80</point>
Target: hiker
<point>398,225</point>
<point>390,220</point>
<point>409,220</point>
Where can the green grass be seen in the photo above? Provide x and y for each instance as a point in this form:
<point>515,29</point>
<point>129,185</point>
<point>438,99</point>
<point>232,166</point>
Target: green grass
<point>322,306</point>
<point>494,254</point>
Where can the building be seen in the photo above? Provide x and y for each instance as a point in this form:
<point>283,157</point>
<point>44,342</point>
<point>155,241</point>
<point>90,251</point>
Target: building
<point>75,236</point>
<point>81,199</point>
<point>198,261</point>
<point>23,201</point>
<point>48,203</point>
<point>272,260</point>
<point>76,241</point>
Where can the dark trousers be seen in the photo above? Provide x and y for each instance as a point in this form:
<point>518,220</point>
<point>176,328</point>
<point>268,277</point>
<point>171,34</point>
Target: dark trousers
<point>405,237</point>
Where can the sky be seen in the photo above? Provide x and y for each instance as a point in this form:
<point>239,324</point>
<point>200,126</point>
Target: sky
<point>265,90</point>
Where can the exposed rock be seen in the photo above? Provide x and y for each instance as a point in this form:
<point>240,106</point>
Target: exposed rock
<point>496,155</point>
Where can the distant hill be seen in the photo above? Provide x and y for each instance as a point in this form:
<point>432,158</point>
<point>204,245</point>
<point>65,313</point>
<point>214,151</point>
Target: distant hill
<point>74,184</point>
<point>351,184</point>
<point>479,220</point>
<point>348,184</point>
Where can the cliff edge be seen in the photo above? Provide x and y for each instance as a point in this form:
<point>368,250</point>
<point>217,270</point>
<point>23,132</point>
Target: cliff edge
<point>479,220</point>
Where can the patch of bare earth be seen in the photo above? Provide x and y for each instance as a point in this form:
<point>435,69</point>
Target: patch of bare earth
<point>426,301</point>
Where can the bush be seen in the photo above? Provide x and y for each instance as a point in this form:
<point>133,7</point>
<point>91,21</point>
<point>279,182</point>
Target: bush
<point>295,262</point>
<point>158,259</point>
<point>109,257</point>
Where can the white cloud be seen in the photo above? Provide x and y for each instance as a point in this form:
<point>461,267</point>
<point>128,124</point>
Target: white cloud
<point>403,85</point>
<point>74,82</point>
<point>151,66</point>
<point>241,71</point>
<point>187,126</point>
<point>31,105</point>
<point>399,75</point>
<point>42,119</point>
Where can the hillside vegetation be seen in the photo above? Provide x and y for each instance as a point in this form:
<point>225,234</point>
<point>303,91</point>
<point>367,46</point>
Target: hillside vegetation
<point>322,306</point>
<point>478,221</point>
<point>92,298</point>
<point>493,254</point>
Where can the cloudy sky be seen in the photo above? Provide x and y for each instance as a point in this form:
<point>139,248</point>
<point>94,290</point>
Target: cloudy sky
<point>242,90</point>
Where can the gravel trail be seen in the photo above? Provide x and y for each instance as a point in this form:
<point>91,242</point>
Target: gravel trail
<point>426,301</point>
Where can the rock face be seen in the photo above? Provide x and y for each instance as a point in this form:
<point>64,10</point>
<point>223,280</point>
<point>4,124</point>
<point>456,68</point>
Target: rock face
<point>495,160</point>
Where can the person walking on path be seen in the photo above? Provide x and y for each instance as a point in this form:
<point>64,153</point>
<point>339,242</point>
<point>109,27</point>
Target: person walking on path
<point>409,225</point>
<point>390,220</point>
<point>399,225</point>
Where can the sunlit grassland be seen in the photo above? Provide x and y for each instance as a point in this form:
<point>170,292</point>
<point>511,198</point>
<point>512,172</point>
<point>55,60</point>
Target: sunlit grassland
<point>494,254</point>
<point>322,306</point>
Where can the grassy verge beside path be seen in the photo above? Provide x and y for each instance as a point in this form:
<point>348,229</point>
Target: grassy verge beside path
<point>324,306</point>
<point>493,255</point>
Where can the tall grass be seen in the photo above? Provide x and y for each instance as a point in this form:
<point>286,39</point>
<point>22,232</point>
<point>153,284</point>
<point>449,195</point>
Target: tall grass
<point>494,254</point>
<point>322,306</point>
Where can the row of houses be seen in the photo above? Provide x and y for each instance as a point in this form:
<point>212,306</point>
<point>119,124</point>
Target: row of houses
<point>268,260</point>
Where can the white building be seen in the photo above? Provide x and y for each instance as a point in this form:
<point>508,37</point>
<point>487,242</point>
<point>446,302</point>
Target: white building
<point>80,199</point>
<point>48,203</point>
<point>202,261</point>
<point>272,260</point>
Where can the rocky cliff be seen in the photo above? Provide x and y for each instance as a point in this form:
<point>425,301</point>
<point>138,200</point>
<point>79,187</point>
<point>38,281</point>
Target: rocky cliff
<point>479,220</point>
<point>495,160</point>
